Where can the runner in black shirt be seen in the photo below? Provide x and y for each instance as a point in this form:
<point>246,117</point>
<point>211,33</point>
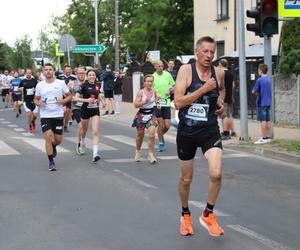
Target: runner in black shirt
<point>27,87</point>
<point>90,92</point>
<point>199,95</point>
<point>67,77</point>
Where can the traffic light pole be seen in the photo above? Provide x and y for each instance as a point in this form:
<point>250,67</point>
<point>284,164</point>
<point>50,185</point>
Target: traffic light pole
<point>242,72</point>
<point>268,62</point>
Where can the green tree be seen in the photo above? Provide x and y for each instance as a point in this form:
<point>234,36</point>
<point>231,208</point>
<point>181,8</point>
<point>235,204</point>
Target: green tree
<point>5,51</point>
<point>290,36</point>
<point>21,56</point>
<point>290,60</point>
<point>290,63</point>
<point>165,25</point>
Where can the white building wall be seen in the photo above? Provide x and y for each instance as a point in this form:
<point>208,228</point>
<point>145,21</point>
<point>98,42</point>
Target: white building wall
<point>205,24</point>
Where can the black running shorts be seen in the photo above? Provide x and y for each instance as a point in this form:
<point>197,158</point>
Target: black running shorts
<point>5,92</point>
<point>109,94</point>
<point>16,98</point>
<point>54,124</point>
<point>187,145</point>
<point>163,112</point>
<point>76,114</point>
<point>87,113</point>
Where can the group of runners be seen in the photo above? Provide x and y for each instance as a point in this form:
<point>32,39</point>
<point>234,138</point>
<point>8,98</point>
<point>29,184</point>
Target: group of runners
<point>198,95</point>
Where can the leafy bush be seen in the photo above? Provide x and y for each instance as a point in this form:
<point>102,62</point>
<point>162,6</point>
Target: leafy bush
<point>290,63</point>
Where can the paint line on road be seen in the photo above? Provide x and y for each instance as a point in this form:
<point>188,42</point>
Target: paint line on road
<point>27,134</point>
<point>125,140</point>
<point>7,150</point>
<point>128,160</point>
<point>19,130</point>
<point>202,205</point>
<point>258,237</point>
<point>229,156</point>
<point>6,109</point>
<point>168,157</point>
<point>89,144</point>
<point>170,138</point>
<point>12,126</point>
<point>121,160</point>
<point>2,119</point>
<point>5,122</point>
<point>138,181</point>
<point>39,144</point>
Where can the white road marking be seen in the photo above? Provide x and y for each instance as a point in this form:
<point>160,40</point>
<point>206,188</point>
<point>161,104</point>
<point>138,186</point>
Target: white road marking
<point>125,139</point>
<point>39,144</point>
<point>229,156</point>
<point>138,181</point>
<point>170,138</point>
<point>27,134</point>
<point>202,205</point>
<point>19,129</point>
<point>124,160</point>
<point>2,119</point>
<point>5,122</point>
<point>168,157</point>
<point>258,237</point>
<point>7,150</point>
<point>89,144</point>
<point>12,126</point>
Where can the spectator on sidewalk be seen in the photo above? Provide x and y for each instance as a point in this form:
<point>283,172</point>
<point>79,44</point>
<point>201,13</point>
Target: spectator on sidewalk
<point>108,87</point>
<point>262,90</point>
<point>227,122</point>
<point>118,81</point>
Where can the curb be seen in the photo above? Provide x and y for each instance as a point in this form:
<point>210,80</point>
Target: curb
<point>268,153</point>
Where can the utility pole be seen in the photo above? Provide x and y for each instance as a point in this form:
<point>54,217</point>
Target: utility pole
<point>268,62</point>
<point>42,47</point>
<point>96,31</point>
<point>117,37</point>
<point>242,72</point>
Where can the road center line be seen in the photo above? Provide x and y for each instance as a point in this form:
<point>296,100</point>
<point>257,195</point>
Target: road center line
<point>138,181</point>
<point>258,237</point>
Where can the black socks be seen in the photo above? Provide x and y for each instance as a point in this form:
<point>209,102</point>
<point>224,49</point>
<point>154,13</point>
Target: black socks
<point>209,209</point>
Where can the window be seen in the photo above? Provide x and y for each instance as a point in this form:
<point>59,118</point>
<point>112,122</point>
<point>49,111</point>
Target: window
<point>220,48</point>
<point>223,9</point>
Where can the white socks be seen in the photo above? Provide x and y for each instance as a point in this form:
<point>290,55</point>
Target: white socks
<point>95,150</point>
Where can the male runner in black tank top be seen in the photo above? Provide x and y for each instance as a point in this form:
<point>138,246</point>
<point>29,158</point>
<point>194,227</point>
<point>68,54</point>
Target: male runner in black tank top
<point>199,95</point>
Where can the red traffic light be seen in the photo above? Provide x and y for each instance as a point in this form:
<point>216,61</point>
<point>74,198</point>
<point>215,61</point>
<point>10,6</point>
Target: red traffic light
<point>269,17</point>
<point>269,7</point>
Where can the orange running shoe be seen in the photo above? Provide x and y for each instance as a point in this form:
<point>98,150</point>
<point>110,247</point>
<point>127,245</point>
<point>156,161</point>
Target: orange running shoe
<point>211,224</point>
<point>186,227</point>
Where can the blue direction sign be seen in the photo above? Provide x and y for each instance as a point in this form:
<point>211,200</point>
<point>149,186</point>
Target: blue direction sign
<point>89,49</point>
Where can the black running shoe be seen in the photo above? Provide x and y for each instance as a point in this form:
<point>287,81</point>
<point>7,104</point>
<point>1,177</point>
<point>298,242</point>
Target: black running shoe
<point>54,151</point>
<point>96,158</point>
<point>52,167</point>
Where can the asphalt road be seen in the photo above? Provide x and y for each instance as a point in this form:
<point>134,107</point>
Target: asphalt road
<point>120,204</point>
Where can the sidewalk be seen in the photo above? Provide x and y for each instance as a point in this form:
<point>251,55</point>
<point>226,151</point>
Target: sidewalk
<point>128,111</point>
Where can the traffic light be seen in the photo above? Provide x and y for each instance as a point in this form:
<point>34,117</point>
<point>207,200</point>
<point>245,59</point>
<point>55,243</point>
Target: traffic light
<point>256,14</point>
<point>269,17</point>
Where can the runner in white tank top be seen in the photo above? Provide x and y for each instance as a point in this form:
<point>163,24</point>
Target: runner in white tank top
<point>145,118</point>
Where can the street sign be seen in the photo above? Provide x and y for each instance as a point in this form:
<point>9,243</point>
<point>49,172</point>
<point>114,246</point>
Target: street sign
<point>289,8</point>
<point>67,42</point>
<point>89,49</point>
<point>58,51</point>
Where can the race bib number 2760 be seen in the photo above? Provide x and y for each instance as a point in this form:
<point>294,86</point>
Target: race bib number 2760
<point>198,112</point>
